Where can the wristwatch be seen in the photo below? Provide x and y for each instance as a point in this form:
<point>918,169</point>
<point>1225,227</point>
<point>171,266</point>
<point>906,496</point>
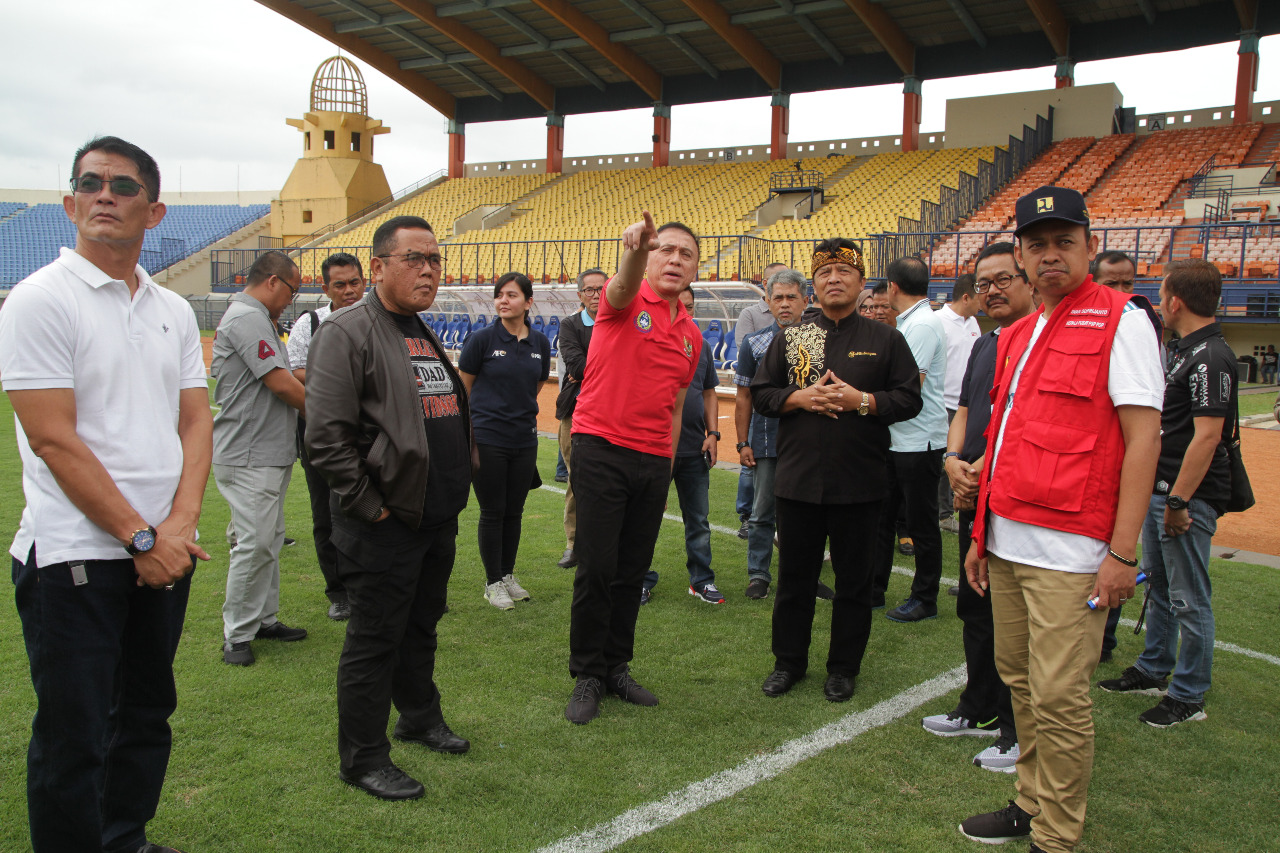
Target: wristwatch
<point>1175,503</point>
<point>711,432</point>
<point>141,541</point>
<point>741,444</point>
<point>865,407</point>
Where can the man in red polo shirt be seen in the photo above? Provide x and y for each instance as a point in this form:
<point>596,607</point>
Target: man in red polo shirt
<point>644,351</point>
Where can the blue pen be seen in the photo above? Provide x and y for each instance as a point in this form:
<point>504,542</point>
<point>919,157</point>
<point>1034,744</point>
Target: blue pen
<point>1093,602</point>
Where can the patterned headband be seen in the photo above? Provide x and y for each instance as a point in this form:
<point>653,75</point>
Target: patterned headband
<point>852,257</point>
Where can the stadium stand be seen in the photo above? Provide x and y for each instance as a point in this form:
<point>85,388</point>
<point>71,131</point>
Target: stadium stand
<point>440,205</point>
<point>30,236</point>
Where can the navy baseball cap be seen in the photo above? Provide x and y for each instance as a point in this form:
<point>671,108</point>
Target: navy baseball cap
<point>1047,203</point>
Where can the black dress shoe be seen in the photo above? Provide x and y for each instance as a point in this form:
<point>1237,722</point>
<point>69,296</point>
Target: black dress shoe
<point>839,688</point>
<point>439,738</point>
<point>386,783</point>
<point>779,682</point>
<point>569,560</point>
<point>282,632</point>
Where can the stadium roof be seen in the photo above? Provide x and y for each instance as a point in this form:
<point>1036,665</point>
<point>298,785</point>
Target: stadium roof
<point>490,60</point>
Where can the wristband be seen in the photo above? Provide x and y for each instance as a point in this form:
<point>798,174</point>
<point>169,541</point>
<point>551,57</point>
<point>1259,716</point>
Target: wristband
<point>742,444</point>
<point>712,432</point>
<point>949,454</point>
<point>1133,564</point>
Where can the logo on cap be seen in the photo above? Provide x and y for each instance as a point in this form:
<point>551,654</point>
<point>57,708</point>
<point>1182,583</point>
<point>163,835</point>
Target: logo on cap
<point>1044,205</point>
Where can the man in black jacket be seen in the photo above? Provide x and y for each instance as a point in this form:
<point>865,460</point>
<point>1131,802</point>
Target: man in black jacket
<point>575,336</point>
<point>835,383</point>
<point>390,432</point>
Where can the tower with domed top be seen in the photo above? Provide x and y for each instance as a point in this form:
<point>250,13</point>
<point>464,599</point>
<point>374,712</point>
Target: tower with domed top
<point>336,176</point>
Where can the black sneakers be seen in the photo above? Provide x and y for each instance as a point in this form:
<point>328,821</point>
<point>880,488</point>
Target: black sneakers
<point>279,631</point>
<point>912,610</point>
<point>1172,711</point>
<point>622,685</point>
<point>386,783</point>
<point>1006,824</point>
<point>1133,680</point>
<point>584,704</point>
<point>757,588</point>
<point>438,738</point>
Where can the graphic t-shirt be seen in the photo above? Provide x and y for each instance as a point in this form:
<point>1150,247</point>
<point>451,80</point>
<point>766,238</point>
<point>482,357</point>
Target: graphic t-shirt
<point>449,469</point>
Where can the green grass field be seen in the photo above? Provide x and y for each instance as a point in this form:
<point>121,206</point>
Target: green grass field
<point>254,764</point>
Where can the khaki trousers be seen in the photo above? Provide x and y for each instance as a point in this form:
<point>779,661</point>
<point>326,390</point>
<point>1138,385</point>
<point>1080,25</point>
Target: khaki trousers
<point>1047,646</point>
<point>570,503</point>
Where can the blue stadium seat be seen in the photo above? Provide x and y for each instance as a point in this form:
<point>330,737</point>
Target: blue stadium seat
<point>729,354</point>
<point>552,331</point>
<point>539,325</point>
<point>713,336</point>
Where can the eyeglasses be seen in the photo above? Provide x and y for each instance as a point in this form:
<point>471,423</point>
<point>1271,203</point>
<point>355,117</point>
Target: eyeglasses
<point>417,260</point>
<point>93,184</point>
<point>1001,281</point>
<point>591,291</point>
<point>293,291</point>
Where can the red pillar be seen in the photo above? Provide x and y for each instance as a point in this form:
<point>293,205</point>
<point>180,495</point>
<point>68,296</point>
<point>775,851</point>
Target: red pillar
<point>910,113</point>
<point>781,126</point>
<point>457,149</point>
<point>1065,74</point>
<point>661,135</point>
<point>1246,78</point>
<point>555,143</point>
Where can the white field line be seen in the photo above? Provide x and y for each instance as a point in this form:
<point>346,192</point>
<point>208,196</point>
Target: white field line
<point>725,784</point>
<point>1221,645</point>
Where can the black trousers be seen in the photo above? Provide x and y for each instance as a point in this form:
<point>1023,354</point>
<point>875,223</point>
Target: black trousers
<point>502,485</point>
<point>985,695</point>
<point>915,483</point>
<point>803,531</point>
<point>321,523</point>
<point>396,580</point>
<point>101,657</point>
<point>620,494</point>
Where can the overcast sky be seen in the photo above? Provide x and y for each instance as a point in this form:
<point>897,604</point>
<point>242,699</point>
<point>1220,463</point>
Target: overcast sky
<point>206,87</point>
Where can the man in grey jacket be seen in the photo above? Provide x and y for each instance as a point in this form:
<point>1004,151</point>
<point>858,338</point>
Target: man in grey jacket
<point>389,430</point>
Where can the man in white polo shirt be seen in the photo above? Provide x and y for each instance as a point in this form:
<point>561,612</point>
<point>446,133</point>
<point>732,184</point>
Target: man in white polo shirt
<point>106,376</point>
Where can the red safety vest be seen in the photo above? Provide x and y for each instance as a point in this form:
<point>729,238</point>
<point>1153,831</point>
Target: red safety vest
<point>1059,465</point>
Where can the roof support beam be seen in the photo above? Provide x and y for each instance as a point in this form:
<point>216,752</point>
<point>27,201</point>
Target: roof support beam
<point>971,25</point>
<point>1148,11</point>
<point>812,31</point>
<point>679,43</point>
<point>436,97</point>
<point>426,47</point>
<point>546,46</point>
<point>740,39</point>
<point>597,37</point>
<point>1247,11</point>
<point>531,84</point>
<point>887,32</point>
<point>1054,24</point>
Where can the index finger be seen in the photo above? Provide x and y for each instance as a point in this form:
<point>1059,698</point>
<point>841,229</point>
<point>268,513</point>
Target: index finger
<point>648,222</point>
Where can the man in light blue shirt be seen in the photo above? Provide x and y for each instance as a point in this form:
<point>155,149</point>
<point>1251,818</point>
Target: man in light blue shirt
<point>917,446</point>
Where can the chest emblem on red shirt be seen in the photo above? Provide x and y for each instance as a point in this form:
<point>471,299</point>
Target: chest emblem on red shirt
<point>643,321</point>
<point>265,351</point>
<point>688,348</point>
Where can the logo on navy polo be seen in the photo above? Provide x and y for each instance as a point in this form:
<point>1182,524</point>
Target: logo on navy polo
<point>498,353</point>
<point>643,321</point>
<point>538,356</point>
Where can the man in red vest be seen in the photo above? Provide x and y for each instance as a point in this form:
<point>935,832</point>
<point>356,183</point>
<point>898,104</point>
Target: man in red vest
<point>1076,408</point>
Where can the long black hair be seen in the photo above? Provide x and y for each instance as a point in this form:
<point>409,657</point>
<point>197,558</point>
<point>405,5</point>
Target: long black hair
<point>522,282</point>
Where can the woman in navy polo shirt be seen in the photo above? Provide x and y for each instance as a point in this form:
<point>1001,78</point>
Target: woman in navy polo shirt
<point>503,368</point>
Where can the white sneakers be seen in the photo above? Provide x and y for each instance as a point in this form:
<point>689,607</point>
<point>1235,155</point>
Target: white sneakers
<point>497,595</point>
<point>517,592</point>
<point>505,593</point>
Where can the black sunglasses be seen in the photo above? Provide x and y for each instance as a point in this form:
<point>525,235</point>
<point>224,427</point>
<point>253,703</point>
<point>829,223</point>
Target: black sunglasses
<point>93,184</point>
